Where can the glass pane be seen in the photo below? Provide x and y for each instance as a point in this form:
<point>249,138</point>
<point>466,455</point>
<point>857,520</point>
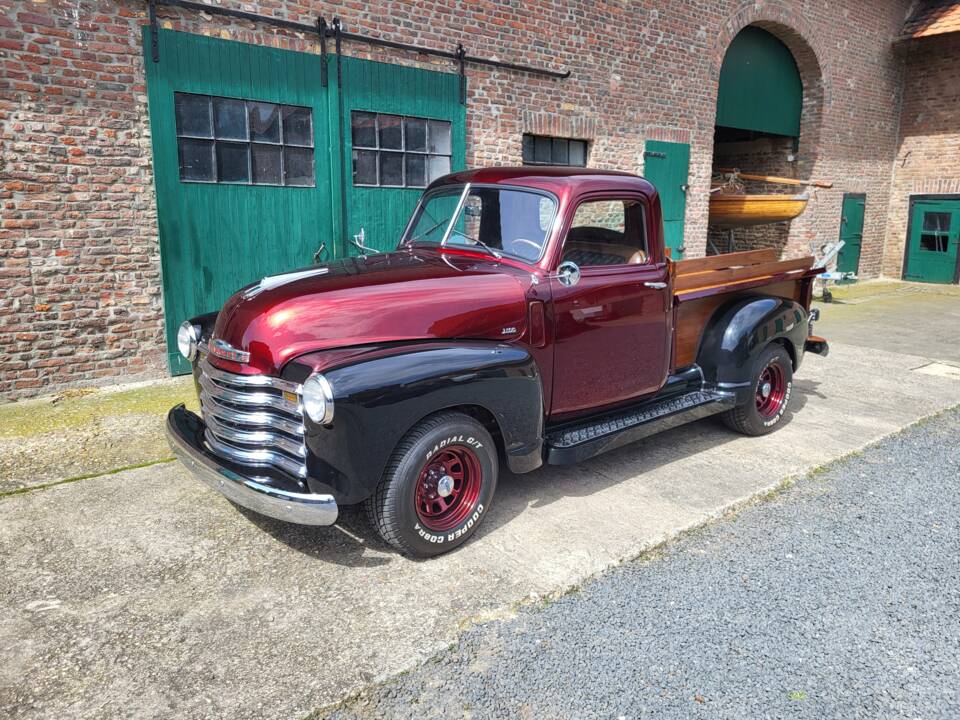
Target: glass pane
<point>264,122</point>
<point>578,152</point>
<point>193,115</point>
<point>196,160</point>
<point>230,119</point>
<point>416,134</point>
<point>528,148</point>
<point>936,221</point>
<point>433,215</point>
<point>391,132</point>
<point>561,153</point>
<point>542,150</point>
<point>266,164</point>
<point>416,170</point>
<point>604,219</point>
<point>391,168</point>
<point>933,243</point>
<point>297,126</point>
<point>438,166</point>
<point>233,162</point>
<point>364,167</point>
<point>513,221</point>
<point>440,137</point>
<point>298,167</point>
<point>364,127</point>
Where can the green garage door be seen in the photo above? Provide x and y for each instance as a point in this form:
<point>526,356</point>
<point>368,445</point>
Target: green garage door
<point>666,165</point>
<point>250,177</point>
<point>851,232</point>
<point>933,241</point>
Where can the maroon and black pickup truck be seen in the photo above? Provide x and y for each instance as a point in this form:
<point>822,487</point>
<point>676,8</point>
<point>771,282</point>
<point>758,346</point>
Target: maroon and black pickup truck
<point>527,316</point>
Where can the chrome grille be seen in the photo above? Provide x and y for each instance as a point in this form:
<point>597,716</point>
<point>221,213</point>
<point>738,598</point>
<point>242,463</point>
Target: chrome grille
<point>253,419</point>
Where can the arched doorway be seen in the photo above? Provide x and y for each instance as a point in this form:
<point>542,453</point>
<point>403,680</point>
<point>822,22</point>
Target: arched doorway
<point>759,129</point>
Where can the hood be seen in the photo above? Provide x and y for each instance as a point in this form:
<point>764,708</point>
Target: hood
<point>390,297</point>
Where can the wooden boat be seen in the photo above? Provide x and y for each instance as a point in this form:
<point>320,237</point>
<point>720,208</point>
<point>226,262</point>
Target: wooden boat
<point>728,210</point>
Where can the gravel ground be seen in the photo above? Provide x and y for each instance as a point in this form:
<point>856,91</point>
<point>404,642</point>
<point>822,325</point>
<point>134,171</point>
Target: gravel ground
<point>839,598</point>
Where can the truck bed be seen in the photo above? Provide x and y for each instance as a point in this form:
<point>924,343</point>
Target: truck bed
<point>701,285</point>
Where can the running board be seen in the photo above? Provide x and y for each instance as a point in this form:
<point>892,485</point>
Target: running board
<point>575,442</point>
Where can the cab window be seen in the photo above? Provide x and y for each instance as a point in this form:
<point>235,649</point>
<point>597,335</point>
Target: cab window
<point>607,232</point>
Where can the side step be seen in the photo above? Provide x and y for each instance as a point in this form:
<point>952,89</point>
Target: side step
<point>578,441</point>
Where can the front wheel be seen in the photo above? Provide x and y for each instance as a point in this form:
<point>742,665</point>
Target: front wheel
<point>437,486</point>
<point>772,385</point>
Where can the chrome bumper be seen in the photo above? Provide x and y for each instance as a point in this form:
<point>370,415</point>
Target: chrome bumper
<point>185,435</point>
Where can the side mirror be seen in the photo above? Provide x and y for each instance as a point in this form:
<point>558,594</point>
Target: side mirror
<point>568,273</point>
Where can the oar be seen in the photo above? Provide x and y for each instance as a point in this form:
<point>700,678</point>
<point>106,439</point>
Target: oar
<point>775,179</point>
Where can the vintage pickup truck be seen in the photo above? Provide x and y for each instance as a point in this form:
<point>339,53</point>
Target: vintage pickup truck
<point>527,316</point>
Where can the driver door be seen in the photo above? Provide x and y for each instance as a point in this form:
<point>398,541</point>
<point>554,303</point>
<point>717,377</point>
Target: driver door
<point>611,326</point>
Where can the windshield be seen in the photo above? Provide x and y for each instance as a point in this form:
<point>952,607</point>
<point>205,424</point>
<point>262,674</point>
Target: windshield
<point>495,220</point>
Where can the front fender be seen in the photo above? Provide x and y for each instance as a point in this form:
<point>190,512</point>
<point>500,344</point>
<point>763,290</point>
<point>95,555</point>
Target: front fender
<point>378,400</point>
<point>740,330</point>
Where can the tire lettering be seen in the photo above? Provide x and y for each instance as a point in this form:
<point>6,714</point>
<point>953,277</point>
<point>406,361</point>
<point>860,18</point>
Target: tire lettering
<point>454,440</point>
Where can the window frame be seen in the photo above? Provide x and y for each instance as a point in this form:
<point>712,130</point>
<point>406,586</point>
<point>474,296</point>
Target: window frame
<point>642,201</point>
<point>282,143</point>
<point>402,151</point>
<point>553,140</point>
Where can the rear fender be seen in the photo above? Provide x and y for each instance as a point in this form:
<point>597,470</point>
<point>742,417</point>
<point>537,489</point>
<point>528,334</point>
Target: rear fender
<point>377,401</point>
<point>739,331</point>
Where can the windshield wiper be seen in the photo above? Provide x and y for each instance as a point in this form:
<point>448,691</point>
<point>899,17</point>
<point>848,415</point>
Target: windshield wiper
<point>496,253</point>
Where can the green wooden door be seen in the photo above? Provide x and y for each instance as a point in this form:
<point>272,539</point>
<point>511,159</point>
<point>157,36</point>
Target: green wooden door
<point>933,241</point>
<point>666,165</point>
<point>851,232</point>
<point>401,128</point>
<point>243,188</point>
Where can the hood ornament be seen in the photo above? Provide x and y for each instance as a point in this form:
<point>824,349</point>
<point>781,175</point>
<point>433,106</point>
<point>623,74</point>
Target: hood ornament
<point>224,350</point>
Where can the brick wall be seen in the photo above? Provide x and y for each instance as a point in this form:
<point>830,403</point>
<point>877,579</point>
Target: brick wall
<point>79,267</point>
<point>928,154</point>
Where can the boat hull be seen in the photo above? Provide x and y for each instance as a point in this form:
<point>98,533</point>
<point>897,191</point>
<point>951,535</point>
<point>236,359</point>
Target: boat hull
<point>729,211</point>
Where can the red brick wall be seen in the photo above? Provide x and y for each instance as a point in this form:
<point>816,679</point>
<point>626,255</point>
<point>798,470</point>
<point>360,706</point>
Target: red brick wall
<point>928,154</point>
<point>79,266</point>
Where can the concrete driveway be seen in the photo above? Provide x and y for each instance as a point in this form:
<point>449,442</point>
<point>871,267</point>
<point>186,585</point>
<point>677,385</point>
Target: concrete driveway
<point>144,595</point>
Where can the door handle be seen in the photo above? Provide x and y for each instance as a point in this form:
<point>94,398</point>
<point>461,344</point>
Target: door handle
<point>656,285</point>
<point>316,255</point>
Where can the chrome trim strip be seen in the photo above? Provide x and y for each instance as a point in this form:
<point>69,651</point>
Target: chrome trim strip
<point>301,508</point>
<point>247,380</point>
<point>261,418</point>
<point>262,457</point>
<point>252,399</point>
<point>254,437</point>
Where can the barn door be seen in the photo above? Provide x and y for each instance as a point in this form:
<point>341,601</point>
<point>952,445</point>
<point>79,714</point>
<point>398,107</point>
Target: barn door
<point>851,232</point>
<point>402,127</point>
<point>666,165</point>
<point>932,246</point>
<point>242,171</point>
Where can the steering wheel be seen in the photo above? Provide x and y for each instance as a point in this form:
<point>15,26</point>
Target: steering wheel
<point>536,246</point>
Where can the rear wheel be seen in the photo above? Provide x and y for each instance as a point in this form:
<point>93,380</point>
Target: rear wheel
<point>437,486</point>
<point>772,385</point>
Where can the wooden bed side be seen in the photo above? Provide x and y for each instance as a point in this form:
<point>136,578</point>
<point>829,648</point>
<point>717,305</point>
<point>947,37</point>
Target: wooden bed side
<point>718,277</point>
<point>692,315</point>
<point>727,260</point>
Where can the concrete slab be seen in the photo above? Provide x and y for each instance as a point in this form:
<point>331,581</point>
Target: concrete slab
<point>145,595</point>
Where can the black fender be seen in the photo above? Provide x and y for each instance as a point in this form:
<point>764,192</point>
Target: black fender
<point>739,331</point>
<point>379,399</point>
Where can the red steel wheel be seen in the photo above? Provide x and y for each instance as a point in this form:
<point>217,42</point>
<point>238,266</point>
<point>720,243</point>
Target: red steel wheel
<point>771,390</point>
<point>448,488</point>
<point>438,485</point>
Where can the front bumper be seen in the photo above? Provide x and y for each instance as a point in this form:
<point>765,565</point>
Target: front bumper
<point>185,435</point>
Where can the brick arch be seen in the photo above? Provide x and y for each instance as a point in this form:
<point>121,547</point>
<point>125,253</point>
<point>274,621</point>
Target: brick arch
<point>793,30</point>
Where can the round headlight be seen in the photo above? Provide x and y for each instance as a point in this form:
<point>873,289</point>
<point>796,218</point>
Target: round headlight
<point>318,399</point>
<point>187,338</point>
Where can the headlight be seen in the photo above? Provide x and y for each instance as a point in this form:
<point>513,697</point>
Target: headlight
<point>318,399</point>
<point>187,338</point>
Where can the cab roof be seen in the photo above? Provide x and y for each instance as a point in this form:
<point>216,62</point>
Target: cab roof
<point>559,180</point>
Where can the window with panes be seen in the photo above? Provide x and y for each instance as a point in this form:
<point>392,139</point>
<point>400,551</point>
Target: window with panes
<point>229,140</point>
<point>544,150</point>
<point>398,150</point>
